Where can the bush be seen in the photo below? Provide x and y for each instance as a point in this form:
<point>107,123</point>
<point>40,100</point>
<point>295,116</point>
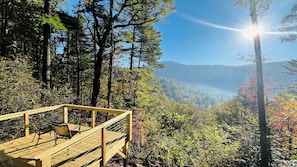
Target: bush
<point>19,91</point>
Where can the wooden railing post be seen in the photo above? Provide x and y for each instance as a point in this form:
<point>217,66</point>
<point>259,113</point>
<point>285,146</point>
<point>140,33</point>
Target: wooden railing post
<point>125,151</point>
<point>65,114</point>
<point>93,115</point>
<point>26,123</point>
<point>129,137</point>
<point>103,146</point>
<point>129,126</point>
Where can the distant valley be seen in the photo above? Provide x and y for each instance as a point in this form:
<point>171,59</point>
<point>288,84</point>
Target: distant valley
<point>185,93</point>
<point>219,79</point>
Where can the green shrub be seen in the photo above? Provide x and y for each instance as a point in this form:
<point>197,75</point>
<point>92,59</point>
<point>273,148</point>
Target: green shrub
<point>19,91</point>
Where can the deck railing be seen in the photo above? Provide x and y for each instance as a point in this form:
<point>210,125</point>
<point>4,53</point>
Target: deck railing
<point>44,159</point>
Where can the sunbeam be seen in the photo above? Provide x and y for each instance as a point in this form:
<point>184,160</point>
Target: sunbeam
<point>199,21</point>
<point>213,25</point>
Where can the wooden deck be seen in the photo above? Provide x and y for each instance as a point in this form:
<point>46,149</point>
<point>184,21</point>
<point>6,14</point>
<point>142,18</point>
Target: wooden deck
<point>83,149</point>
<point>21,152</point>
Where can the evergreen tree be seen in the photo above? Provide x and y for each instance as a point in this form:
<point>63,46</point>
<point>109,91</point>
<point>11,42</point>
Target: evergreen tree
<point>124,14</point>
<point>289,25</point>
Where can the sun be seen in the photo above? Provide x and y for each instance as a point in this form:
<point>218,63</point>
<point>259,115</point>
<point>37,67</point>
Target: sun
<point>252,31</point>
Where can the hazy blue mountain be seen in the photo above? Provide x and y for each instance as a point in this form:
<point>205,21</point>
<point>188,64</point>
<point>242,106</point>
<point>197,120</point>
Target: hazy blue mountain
<point>227,78</point>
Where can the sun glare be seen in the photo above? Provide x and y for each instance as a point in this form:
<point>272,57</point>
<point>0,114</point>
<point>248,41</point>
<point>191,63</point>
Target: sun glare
<point>252,31</point>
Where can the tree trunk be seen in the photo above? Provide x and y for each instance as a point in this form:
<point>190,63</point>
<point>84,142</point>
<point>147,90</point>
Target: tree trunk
<point>110,70</point>
<point>97,76</point>
<point>109,79</point>
<point>132,48</point>
<point>140,54</point>
<point>264,141</point>
<point>78,68</point>
<point>110,60</point>
<point>46,72</point>
<point>101,41</point>
<point>290,141</point>
<point>4,24</point>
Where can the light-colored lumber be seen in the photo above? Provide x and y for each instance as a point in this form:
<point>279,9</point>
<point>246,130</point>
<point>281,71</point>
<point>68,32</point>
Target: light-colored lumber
<point>92,146</point>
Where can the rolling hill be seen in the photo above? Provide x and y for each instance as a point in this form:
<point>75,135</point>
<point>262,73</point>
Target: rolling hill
<point>225,78</point>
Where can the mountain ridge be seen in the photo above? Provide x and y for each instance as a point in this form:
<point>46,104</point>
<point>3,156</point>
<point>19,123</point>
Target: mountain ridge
<point>228,78</point>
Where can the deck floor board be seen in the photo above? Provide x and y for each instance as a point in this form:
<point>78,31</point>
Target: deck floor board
<point>86,152</point>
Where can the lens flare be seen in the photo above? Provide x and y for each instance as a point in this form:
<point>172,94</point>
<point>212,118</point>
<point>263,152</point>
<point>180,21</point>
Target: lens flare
<point>252,31</point>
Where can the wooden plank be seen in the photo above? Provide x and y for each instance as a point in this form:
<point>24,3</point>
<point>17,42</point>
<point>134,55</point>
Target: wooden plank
<point>26,149</point>
<point>83,146</point>
<point>76,139</point>
<point>93,124</point>
<point>87,159</point>
<point>115,119</point>
<point>46,162</point>
<point>34,111</point>
<point>26,122</point>
<point>65,114</point>
<point>121,154</point>
<point>114,148</point>
<point>125,150</point>
<point>95,164</point>
<point>129,126</point>
<point>83,153</point>
<point>97,109</point>
<point>15,162</point>
<point>103,147</point>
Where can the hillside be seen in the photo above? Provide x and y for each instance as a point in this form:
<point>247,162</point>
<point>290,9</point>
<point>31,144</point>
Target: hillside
<point>202,96</point>
<point>228,78</point>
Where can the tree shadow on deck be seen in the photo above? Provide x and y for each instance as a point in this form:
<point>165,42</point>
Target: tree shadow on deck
<point>7,161</point>
<point>29,146</point>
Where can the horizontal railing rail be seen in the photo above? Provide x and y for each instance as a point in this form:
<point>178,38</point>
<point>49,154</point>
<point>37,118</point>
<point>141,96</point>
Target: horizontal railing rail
<point>33,111</point>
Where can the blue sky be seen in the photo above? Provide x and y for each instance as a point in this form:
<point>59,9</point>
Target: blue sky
<point>187,40</point>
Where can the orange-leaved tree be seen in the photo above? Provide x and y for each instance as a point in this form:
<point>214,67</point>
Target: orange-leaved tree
<point>284,121</point>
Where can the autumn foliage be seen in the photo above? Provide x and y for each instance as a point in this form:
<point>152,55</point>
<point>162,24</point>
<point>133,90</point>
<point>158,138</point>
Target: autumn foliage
<point>283,118</point>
